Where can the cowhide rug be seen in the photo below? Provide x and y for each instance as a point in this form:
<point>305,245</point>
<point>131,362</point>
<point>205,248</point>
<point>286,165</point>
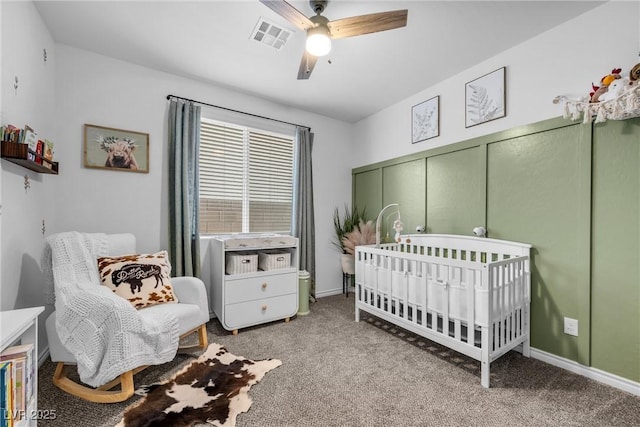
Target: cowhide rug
<point>212,389</point>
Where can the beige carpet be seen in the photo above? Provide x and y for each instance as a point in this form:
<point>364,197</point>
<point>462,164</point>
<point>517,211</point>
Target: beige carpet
<point>336,372</point>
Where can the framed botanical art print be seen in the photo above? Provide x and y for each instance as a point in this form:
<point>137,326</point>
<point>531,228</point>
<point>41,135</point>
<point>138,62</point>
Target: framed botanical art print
<point>485,98</point>
<point>116,149</point>
<point>425,120</point>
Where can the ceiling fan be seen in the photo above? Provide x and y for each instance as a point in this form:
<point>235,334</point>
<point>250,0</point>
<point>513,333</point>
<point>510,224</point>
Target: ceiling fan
<point>320,30</point>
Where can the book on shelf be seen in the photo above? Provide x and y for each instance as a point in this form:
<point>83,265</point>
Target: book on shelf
<point>30,138</point>
<point>6,394</point>
<point>39,151</point>
<point>23,371</point>
<point>19,382</point>
<point>3,394</point>
<point>48,150</point>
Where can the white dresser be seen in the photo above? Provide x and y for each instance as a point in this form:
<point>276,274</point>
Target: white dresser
<point>250,298</point>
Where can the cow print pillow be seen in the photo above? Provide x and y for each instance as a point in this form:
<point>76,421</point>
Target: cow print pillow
<point>143,280</point>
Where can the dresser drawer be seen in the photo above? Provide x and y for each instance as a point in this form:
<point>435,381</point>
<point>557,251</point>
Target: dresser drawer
<point>250,313</point>
<point>254,288</point>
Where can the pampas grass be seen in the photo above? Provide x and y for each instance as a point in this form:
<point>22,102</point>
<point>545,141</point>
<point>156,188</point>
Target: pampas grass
<point>363,234</point>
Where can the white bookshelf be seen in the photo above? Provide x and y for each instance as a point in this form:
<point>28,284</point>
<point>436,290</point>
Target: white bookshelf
<point>21,327</point>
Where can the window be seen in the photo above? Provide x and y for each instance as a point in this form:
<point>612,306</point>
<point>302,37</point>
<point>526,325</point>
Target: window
<point>246,179</point>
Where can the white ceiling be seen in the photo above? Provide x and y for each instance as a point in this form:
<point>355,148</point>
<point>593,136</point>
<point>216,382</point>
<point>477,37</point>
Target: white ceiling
<point>210,41</point>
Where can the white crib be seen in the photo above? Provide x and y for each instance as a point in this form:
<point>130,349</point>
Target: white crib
<point>444,286</point>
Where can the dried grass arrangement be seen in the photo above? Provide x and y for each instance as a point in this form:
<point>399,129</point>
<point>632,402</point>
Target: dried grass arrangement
<point>363,234</point>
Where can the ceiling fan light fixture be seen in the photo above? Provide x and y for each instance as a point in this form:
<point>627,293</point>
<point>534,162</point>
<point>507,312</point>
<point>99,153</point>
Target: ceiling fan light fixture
<point>318,40</point>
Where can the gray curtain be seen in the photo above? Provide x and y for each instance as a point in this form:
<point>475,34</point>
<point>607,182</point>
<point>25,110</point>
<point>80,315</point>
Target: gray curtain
<point>302,214</point>
<point>184,142</point>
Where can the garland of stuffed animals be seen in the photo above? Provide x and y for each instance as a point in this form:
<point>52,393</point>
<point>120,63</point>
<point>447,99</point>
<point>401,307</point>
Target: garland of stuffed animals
<point>616,98</point>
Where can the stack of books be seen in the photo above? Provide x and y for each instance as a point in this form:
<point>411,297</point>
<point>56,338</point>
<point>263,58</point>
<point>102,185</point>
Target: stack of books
<point>17,374</point>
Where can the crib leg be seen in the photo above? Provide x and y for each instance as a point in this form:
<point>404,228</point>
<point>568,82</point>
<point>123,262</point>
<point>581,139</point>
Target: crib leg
<point>484,376</point>
<point>357,314</point>
<point>486,338</point>
<point>526,345</point>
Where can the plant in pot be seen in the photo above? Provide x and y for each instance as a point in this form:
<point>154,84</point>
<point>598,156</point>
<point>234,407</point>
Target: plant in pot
<point>350,230</point>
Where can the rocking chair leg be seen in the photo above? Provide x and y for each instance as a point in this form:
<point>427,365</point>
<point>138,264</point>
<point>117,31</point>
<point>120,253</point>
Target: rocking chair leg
<point>104,394</point>
<point>203,341</point>
<point>202,336</point>
<point>98,395</point>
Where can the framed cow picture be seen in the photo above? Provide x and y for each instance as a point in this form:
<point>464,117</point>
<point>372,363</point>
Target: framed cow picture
<point>116,149</point>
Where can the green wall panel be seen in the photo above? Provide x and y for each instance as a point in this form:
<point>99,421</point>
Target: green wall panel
<point>615,303</point>
<point>538,193</point>
<point>404,183</point>
<point>456,191</point>
<point>367,191</point>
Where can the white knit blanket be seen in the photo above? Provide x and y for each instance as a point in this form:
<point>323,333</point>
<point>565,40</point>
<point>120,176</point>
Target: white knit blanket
<point>104,332</point>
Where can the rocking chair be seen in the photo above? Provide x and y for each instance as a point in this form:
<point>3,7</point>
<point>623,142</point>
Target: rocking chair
<point>192,313</point>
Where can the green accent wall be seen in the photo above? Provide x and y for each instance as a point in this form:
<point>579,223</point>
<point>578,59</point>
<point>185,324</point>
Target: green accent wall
<point>367,192</point>
<point>538,193</point>
<point>615,292</point>
<point>569,189</point>
<point>456,179</point>
<point>404,184</point>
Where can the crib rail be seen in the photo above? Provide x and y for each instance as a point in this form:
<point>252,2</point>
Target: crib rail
<point>472,300</point>
<point>465,248</point>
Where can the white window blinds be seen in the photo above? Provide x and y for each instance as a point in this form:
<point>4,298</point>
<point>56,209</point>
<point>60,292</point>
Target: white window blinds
<point>246,179</point>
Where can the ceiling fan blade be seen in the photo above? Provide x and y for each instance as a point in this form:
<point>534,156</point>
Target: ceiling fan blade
<point>289,13</point>
<point>306,65</point>
<point>365,24</point>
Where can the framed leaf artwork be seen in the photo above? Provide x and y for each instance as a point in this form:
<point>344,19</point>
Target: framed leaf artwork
<point>425,120</point>
<point>485,98</point>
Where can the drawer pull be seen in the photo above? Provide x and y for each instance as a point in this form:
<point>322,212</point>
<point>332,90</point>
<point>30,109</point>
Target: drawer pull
<point>264,307</point>
<point>264,286</point>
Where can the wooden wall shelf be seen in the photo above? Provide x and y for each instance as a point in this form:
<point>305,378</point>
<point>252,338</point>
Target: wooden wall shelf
<point>19,154</point>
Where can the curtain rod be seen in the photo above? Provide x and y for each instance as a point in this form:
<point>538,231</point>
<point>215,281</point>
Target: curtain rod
<point>236,111</point>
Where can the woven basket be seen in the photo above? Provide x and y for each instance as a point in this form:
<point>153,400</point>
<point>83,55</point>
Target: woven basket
<point>273,260</point>
<point>241,263</point>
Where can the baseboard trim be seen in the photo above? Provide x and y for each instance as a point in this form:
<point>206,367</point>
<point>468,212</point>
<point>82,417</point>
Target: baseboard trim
<point>587,371</point>
<point>42,357</point>
<point>329,293</point>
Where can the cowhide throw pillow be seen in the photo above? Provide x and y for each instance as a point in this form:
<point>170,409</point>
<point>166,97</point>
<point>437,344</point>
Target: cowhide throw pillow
<point>141,279</point>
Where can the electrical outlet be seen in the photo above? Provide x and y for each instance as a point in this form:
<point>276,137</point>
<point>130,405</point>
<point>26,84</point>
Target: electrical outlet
<point>571,326</point>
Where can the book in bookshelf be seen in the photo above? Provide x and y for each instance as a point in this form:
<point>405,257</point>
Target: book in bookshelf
<point>31,139</point>
<point>3,394</point>
<point>48,150</point>
<point>6,394</point>
<point>22,359</point>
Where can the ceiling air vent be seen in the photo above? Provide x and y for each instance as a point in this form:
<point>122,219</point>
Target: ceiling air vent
<point>270,34</point>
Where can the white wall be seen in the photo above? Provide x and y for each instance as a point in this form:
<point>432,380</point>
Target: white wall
<point>23,211</point>
<point>98,90</point>
<point>564,60</point>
